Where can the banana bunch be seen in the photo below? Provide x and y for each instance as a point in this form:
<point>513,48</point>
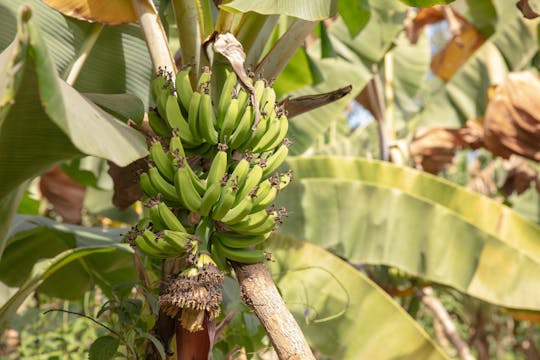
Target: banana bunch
<point>230,191</point>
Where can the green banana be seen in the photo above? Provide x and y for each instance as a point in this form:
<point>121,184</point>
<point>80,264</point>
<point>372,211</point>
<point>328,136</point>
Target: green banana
<point>269,137</point>
<point>179,240</point>
<point>244,256</point>
<point>155,217</point>
<point>186,191</point>
<point>229,121</point>
<point>148,248</point>
<point>267,226</point>
<point>175,145</point>
<point>237,241</point>
<point>193,115</point>
<point>158,83</point>
<point>250,222</point>
<point>204,79</point>
<point>162,186</point>
<point>258,133</point>
<point>207,120</point>
<point>243,100</point>
<point>240,135</point>
<point>161,160</point>
<point>264,196</point>
<point>275,160</point>
<point>226,96</point>
<point>184,90</point>
<point>210,198</point>
<point>283,128</point>
<point>176,120</point>
<point>218,168</point>
<point>158,125</point>
<point>226,199</point>
<point>146,185</point>
<point>218,258</point>
<point>169,219</point>
<point>240,173</point>
<point>253,179</point>
<point>268,101</point>
<point>239,212</point>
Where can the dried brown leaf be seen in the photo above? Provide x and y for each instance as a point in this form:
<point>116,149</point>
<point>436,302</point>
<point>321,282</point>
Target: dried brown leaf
<point>126,182</point>
<point>65,194</point>
<point>526,9</point>
<point>512,120</point>
<point>299,105</point>
<point>107,12</point>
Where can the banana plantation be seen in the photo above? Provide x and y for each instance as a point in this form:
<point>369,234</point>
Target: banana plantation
<point>248,179</point>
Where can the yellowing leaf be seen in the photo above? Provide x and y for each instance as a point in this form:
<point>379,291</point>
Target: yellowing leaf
<point>107,12</point>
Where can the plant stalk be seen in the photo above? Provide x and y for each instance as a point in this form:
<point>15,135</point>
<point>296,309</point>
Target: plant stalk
<point>72,73</point>
<point>154,34</point>
<point>258,291</point>
<point>428,298</point>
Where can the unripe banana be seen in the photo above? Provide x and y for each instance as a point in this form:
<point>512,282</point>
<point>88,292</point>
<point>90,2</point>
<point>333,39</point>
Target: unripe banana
<point>155,217</point>
<point>268,101</point>
<point>239,212</point>
<point>243,100</point>
<point>283,128</point>
<point>161,160</point>
<point>226,199</point>
<point>204,79</point>
<point>158,83</point>
<point>259,86</point>
<point>148,248</point>
<point>158,125</point>
<point>253,179</point>
<point>218,168</point>
<point>210,198</point>
<point>226,96</point>
<point>185,190</point>
<point>146,186</point>
<point>175,146</point>
<point>184,90</point>
<point>176,120</point>
<point>267,226</point>
<point>229,121</point>
<point>258,133</point>
<point>169,219</point>
<point>269,137</point>
<point>250,222</point>
<point>237,241</point>
<point>243,256</point>
<point>162,186</point>
<point>240,173</point>
<point>275,160</point>
<point>240,135</point>
<point>181,241</point>
<point>264,197</point>
<point>193,116</point>
<point>207,120</point>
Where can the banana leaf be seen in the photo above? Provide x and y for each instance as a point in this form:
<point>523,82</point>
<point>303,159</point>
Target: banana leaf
<point>379,213</point>
<point>342,313</point>
<point>308,10</point>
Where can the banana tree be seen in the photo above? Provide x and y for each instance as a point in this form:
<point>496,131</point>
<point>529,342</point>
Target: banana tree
<point>270,35</point>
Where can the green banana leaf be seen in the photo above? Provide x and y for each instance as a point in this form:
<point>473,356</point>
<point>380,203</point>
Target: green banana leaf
<point>32,238</point>
<point>482,14</point>
<point>510,48</point>
<point>379,213</point>
<point>118,62</point>
<point>44,121</point>
<point>342,313</point>
<point>44,270</point>
<point>355,14</point>
<point>8,209</point>
<point>308,10</point>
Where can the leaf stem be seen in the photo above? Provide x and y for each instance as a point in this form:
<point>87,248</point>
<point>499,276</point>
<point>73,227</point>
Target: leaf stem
<point>72,72</point>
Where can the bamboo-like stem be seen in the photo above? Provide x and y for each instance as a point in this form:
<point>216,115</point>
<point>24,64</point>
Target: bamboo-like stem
<point>258,291</point>
<point>72,73</point>
<point>189,34</point>
<point>277,58</point>
<point>154,34</point>
<point>428,298</point>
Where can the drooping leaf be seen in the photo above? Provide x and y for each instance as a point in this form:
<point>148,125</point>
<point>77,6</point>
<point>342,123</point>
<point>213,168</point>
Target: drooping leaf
<point>43,120</point>
<point>464,97</point>
<point>121,106</point>
<point>482,14</point>
<point>103,348</point>
<point>379,213</point>
<point>8,209</point>
<point>308,10</point>
<point>107,12</point>
<point>33,238</point>
<point>355,14</point>
<point>342,313</point>
<point>43,270</point>
<point>118,62</point>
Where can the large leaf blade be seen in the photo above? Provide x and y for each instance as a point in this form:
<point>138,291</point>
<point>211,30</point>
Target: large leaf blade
<point>342,313</point>
<point>308,10</point>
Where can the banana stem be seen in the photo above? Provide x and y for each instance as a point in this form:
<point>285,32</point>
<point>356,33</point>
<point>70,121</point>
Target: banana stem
<point>155,36</point>
<point>72,73</point>
<point>258,291</point>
